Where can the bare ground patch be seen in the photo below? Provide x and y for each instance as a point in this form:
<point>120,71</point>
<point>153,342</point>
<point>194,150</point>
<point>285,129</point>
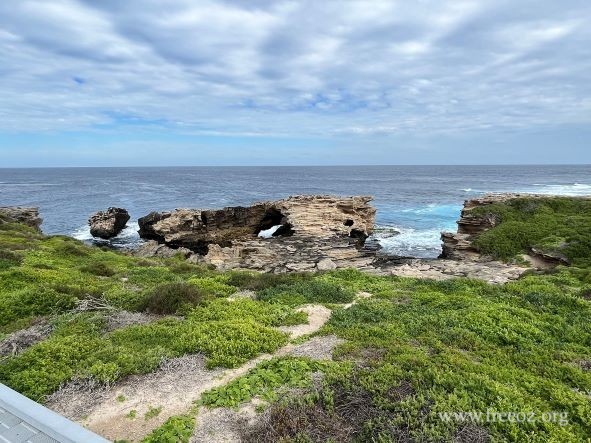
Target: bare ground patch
<point>18,341</point>
<point>317,348</point>
<point>318,315</point>
<point>173,387</point>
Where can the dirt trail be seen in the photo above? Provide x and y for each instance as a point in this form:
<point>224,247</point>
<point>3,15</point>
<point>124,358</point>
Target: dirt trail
<point>174,387</point>
<point>120,413</point>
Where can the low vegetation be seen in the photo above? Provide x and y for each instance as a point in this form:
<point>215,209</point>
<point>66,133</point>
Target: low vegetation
<point>554,225</point>
<point>413,352</point>
<point>177,429</point>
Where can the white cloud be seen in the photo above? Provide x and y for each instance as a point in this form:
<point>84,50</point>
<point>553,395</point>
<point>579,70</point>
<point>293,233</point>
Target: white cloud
<point>293,67</point>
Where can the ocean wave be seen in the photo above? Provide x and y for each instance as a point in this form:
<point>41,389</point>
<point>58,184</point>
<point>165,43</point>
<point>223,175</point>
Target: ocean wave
<point>570,189</point>
<point>411,242</point>
<point>128,237</point>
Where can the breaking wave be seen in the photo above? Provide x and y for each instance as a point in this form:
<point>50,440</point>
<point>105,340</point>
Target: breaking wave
<point>126,238</point>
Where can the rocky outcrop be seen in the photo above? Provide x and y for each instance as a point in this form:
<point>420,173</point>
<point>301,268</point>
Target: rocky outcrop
<point>295,234</point>
<point>298,234</point>
<point>459,245</point>
<point>17,214</point>
<point>107,224</point>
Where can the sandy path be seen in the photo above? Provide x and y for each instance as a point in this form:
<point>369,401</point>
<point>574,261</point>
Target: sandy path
<point>176,387</point>
<point>180,382</point>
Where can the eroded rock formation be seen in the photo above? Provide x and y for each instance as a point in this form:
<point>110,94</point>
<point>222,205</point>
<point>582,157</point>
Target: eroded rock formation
<point>459,245</point>
<point>295,234</point>
<point>303,233</point>
<point>107,224</point>
<point>19,214</point>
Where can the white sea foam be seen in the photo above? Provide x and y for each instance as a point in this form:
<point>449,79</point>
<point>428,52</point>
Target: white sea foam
<point>572,189</point>
<point>410,242</point>
<point>268,233</point>
<point>126,237</point>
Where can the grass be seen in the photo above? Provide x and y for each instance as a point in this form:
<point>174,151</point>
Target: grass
<point>415,350</point>
<point>152,412</point>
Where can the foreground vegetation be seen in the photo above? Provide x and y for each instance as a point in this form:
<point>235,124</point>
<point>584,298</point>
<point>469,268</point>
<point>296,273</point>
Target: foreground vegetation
<point>415,350</point>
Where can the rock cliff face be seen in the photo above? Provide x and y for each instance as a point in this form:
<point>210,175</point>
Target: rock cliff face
<point>459,245</point>
<point>18,214</point>
<point>295,234</point>
<point>107,224</point>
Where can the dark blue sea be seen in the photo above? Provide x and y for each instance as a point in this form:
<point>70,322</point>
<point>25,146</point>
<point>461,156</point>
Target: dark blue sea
<point>414,203</point>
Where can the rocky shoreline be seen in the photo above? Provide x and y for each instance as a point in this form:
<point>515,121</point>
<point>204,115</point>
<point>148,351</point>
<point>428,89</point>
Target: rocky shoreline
<point>302,234</point>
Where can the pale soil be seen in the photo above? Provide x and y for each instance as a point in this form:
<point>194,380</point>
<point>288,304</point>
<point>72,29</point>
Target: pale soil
<point>176,385</point>
<point>317,316</point>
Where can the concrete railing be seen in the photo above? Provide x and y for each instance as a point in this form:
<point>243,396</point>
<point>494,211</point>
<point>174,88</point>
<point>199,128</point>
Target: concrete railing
<point>23,420</point>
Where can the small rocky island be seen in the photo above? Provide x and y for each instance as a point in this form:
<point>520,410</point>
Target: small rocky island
<point>108,224</point>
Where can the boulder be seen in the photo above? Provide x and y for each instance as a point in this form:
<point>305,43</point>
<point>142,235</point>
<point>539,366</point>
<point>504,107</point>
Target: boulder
<point>18,214</point>
<point>326,264</point>
<point>107,224</point>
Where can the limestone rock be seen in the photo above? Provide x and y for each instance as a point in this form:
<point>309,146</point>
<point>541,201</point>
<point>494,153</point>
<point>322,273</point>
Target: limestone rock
<point>107,224</point>
<point>152,248</point>
<point>18,214</point>
<point>326,264</point>
<point>460,245</point>
<point>298,232</point>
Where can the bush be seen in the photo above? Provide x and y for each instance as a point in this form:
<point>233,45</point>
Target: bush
<point>313,291</point>
<point>263,381</point>
<point>99,269</point>
<point>256,281</point>
<point>554,225</point>
<point>170,298</point>
<point>215,286</point>
<point>176,429</point>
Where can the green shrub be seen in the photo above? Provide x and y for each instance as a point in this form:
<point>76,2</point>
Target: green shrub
<point>554,225</point>
<point>245,309</point>
<point>216,286</point>
<point>98,268</point>
<point>33,301</point>
<point>256,281</point>
<point>177,429</point>
<point>263,381</point>
<point>312,291</point>
<point>170,298</point>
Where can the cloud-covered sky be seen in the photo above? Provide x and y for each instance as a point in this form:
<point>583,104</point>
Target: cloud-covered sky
<point>140,82</point>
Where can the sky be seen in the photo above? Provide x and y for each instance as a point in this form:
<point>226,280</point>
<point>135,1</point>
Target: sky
<point>271,82</point>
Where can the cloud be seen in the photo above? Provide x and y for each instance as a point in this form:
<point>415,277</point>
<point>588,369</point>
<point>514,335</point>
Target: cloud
<point>287,68</point>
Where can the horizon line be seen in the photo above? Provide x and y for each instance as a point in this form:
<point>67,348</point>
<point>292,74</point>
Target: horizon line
<point>292,166</point>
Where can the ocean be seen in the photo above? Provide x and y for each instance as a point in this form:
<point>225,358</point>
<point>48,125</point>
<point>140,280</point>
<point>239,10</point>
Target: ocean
<point>414,203</point>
